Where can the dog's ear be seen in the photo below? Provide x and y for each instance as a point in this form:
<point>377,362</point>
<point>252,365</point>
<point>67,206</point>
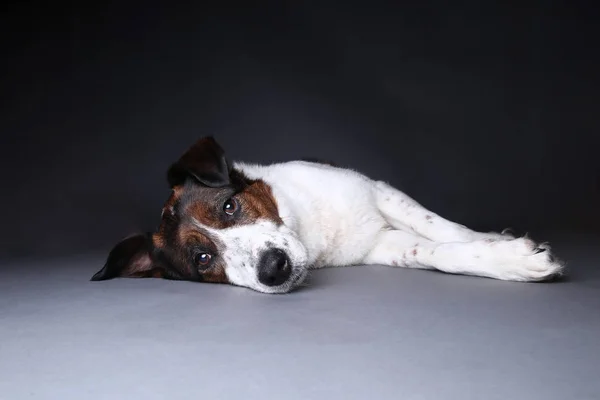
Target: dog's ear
<point>130,258</point>
<point>205,161</point>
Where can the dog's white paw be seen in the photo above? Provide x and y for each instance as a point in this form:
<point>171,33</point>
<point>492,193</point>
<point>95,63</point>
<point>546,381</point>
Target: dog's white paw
<point>523,259</point>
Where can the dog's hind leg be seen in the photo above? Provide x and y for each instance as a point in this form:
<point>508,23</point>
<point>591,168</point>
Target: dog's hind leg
<point>513,260</point>
<point>404,213</point>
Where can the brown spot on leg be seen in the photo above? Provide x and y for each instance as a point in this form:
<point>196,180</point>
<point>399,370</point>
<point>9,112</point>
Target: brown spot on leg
<point>395,263</point>
<point>414,252</point>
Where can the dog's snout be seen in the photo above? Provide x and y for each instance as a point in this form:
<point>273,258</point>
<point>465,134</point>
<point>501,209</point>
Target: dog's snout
<point>274,267</point>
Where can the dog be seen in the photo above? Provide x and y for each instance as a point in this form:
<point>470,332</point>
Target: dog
<point>264,227</point>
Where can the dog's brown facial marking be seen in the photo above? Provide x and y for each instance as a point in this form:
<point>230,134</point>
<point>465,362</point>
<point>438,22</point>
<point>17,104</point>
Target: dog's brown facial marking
<point>178,242</point>
<point>216,274</point>
<point>193,242</point>
<point>205,206</point>
<point>192,210</point>
<point>217,225</point>
<point>258,202</point>
<point>251,202</point>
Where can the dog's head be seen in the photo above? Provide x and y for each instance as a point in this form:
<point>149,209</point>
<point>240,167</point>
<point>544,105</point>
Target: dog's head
<point>217,226</point>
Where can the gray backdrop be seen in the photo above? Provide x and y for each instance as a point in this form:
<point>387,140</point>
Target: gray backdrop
<point>484,113</point>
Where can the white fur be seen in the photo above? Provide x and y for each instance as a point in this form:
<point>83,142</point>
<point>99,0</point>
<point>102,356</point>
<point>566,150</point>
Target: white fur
<point>338,217</point>
<point>246,243</point>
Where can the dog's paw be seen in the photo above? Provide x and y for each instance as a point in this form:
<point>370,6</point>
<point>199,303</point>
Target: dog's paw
<point>524,260</point>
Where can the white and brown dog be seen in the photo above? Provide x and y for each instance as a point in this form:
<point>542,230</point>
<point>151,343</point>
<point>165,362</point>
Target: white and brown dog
<point>265,226</point>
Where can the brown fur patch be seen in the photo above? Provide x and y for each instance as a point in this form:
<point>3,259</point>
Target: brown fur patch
<point>158,240</point>
<point>215,274</point>
<point>191,237</point>
<point>257,202</point>
<point>207,213</point>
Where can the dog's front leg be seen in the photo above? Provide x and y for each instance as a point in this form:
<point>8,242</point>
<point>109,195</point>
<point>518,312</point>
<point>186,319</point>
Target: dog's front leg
<point>514,260</point>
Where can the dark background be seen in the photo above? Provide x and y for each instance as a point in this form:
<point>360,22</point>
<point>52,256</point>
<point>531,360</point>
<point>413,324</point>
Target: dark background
<point>485,112</point>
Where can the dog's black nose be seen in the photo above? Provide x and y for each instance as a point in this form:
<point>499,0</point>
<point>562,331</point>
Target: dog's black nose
<point>274,267</point>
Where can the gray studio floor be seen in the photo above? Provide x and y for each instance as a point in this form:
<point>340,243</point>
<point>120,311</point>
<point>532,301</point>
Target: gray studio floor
<point>357,333</point>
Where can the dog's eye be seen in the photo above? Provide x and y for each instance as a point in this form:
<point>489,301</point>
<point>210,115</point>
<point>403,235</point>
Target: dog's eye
<point>202,259</point>
<point>231,206</point>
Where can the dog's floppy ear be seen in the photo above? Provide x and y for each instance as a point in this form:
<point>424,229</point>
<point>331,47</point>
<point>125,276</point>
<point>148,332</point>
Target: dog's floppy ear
<point>205,161</point>
<point>130,258</point>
